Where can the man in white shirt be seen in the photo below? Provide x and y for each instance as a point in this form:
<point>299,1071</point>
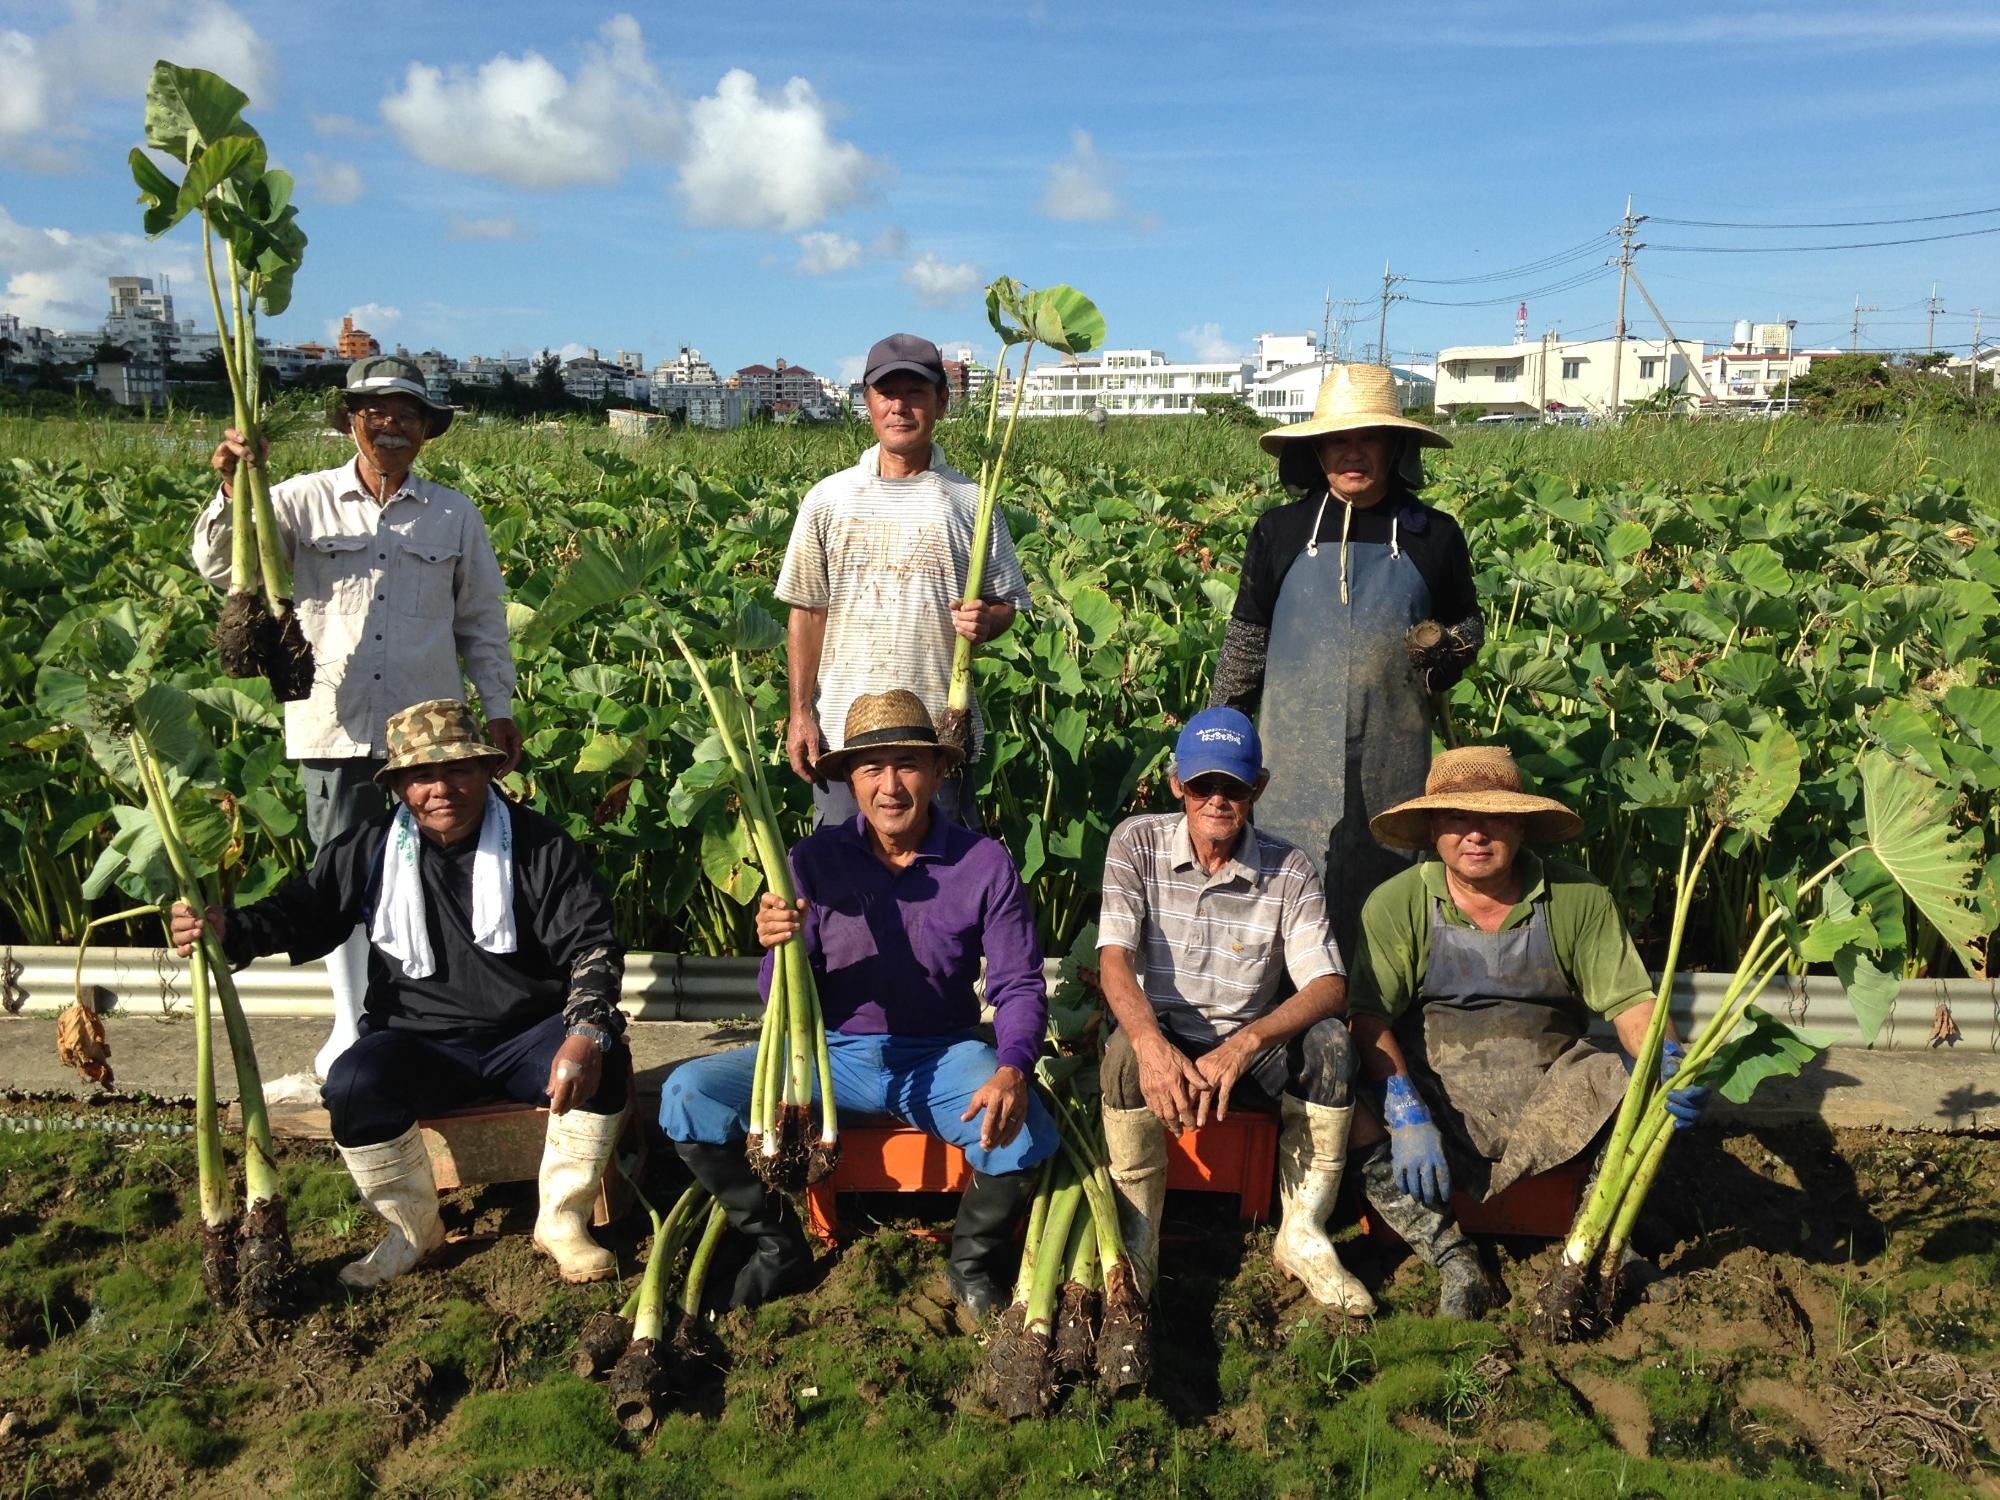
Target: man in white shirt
<point>875,574</point>
<point>397,588</point>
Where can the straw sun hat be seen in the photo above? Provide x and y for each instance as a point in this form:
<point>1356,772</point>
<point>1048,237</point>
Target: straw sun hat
<point>1352,397</point>
<point>896,719</point>
<point>1478,778</point>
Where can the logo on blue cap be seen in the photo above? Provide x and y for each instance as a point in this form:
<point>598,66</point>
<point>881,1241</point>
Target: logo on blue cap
<point>1219,739</point>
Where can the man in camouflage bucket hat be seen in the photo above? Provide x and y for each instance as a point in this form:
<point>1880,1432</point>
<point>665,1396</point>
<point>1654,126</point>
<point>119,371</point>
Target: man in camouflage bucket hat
<point>492,970</point>
<point>398,590</point>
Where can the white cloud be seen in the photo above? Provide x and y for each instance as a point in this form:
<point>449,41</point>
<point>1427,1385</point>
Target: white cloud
<point>55,279</point>
<point>892,242</point>
<point>523,121</point>
<point>938,282</point>
<point>501,227</point>
<point>343,128</point>
<point>332,180</point>
<point>1082,187</point>
<point>1206,342</point>
<point>105,48</point>
<point>851,368</point>
<point>822,252</point>
<point>768,161</point>
<point>371,316</point>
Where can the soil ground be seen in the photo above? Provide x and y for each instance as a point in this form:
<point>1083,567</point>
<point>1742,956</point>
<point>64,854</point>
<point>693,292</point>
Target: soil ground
<point>1830,1326</point>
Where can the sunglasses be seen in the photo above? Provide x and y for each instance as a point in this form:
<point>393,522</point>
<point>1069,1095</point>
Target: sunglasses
<point>1204,787</point>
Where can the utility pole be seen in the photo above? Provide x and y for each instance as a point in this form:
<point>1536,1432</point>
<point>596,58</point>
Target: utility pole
<point>1626,226</point>
<point>1382,318</point>
<point>1930,329</point>
<point>1972,370</point>
<point>1854,340</point>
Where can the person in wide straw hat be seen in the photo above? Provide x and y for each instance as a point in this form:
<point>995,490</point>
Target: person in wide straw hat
<point>1479,972</point>
<point>492,969</point>
<point>897,905</point>
<point>1356,605</point>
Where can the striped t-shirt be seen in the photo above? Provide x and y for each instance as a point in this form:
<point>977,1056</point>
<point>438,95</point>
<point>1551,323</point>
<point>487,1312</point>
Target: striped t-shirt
<point>886,559</point>
<point>1210,949</point>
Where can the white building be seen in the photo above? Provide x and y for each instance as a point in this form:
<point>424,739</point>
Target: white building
<point>707,404</point>
<point>1127,382</point>
<point>486,370</point>
<point>589,378</point>
<point>1759,365</point>
<point>631,361</point>
<point>1554,374</point>
<point>131,382</point>
<point>685,368</point>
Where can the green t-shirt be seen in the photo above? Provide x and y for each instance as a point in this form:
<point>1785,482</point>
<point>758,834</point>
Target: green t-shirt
<point>1591,945</point>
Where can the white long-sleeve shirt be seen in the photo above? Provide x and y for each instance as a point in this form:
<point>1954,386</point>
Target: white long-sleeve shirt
<point>394,598</point>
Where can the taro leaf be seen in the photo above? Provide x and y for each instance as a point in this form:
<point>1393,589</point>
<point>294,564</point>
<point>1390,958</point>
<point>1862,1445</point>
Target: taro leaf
<point>697,786</point>
<point>227,158</point>
<point>1559,499</point>
<point>1976,711</point>
<point>171,724</point>
<point>189,108</point>
<point>159,192</point>
<point>1034,853</point>
<point>1064,319</point>
<point>1768,782</point>
<point>1869,968</point>
<point>620,754</point>
<point>606,568</point>
<point>1826,937</point>
<point>1004,310</point>
<point>1627,539</point>
<point>1762,1047</point>
<point>1069,730</point>
<point>1910,832</point>
<point>1097,617</point>
<point>726,859</point>
<point>1513,665</point>
<point>753,629</point>
<point>1760,567</point>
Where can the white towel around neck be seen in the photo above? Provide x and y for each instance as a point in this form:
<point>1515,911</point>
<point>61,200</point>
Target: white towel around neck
<point>401,928</point>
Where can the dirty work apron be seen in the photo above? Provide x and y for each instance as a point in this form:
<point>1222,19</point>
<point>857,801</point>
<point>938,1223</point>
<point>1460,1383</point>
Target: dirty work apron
<point>1498,1047</point>
<point>1345,722</point>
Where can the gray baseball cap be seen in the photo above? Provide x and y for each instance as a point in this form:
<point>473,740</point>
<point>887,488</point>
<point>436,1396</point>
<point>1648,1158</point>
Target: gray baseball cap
<point>904,351</point>
<point>386,375</point>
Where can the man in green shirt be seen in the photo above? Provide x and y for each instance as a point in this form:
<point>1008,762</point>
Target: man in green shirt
<point>1479,972</point>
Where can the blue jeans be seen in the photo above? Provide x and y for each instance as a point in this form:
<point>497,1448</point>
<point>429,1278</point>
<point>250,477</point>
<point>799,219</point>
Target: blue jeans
<point>925,1081</point>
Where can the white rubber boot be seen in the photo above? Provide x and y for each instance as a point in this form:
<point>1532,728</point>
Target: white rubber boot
<point>347,973</point>
<point>1312,1153</point>
<point>1137,1143</point>
<point>395,1180</point>
<point>574,1155</point>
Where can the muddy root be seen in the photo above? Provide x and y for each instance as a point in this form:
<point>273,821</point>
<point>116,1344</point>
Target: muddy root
<point>638,1385</point>
<point>288,661</point>
<point>604,1337</point>
<point>1027,1387</point>
<point>786,1172</point>
<point>821,1158</point>
<point>954,728</point>
<point>1124,1337</point>
<point>1076,1332</point>
<point>266,1273</point>
<point>1612,1286</point>
<point>218,1262</point>
<point>244,634</point>
<point>1565,1305</point>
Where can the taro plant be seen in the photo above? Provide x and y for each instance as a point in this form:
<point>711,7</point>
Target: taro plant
<point>1065,320</point>
<point>196,119</point>
<point>632,1343</point>
<point>1848,912</point>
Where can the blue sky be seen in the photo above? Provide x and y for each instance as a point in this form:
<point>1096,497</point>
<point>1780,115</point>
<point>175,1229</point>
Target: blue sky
<point>796,179</point>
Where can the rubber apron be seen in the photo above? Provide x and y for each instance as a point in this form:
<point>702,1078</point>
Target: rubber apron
<point>1498,1046</point>
<point>1345,722</point>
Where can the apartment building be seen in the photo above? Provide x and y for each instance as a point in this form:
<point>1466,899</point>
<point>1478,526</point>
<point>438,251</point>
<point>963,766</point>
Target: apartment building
<point>1554,374</point>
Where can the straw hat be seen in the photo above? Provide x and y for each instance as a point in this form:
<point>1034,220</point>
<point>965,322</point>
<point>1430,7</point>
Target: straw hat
<point>896,719</point>
<point>437,729</point>
<point>1353,397</point>
<point>1478,778</point>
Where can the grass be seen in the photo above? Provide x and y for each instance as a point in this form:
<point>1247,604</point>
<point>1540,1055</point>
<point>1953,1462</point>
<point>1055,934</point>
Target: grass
<point>1674,453</point>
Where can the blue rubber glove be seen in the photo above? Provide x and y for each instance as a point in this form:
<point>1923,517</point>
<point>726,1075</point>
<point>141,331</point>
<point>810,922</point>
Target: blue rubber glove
<point>1685,1105</point>
<point>1416,1149</point>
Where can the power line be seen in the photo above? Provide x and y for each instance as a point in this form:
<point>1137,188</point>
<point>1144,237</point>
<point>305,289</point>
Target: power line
<point>1585,278</point>
<point>1924,239</point>
<point>1970,213</point>
<point>1515,273</point>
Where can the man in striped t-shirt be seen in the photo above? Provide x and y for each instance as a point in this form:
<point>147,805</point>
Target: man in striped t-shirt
<point>1203,918</point>
<point>875,575</point>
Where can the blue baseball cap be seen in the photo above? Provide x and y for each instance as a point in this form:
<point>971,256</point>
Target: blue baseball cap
<point>1219,739</point>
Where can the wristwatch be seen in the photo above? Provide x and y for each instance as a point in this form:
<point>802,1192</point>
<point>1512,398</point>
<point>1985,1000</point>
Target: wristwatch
<point>595,1032</point>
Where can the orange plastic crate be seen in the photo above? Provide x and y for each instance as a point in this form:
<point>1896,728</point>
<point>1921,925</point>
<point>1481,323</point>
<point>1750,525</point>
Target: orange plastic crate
<point>1543,1206</point>
<point>1238,1155</point>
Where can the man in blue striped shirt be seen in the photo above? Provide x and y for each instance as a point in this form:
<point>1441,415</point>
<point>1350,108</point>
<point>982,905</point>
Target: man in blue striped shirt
<point>1203,919</point>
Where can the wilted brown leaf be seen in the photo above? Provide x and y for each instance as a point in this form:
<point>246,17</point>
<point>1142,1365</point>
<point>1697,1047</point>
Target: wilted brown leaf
<point>81,1043</point>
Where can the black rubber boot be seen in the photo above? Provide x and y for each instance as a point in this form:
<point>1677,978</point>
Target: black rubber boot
<point>981,1238</point>
<point>781,1260</point>
<point>1434,1236</point>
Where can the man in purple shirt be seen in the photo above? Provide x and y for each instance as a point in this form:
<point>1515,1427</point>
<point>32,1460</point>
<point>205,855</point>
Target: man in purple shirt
<point>897,905</point>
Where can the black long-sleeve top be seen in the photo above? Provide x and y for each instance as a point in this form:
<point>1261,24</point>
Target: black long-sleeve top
<point>567,957</point>
<point>1435,544</point>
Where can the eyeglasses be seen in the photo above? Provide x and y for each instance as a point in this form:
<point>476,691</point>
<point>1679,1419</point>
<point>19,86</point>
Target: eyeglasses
<point>383,414</point>
<point>1228,787</point>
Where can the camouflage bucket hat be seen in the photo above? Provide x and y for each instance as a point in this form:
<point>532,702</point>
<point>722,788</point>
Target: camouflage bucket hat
<point>438,729</point>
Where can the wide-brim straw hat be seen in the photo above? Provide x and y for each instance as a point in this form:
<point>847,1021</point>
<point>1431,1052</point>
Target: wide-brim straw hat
<point>893,720</point>
<point>438,729</point>
<point>1478,778</point>
<point>1350,398</point>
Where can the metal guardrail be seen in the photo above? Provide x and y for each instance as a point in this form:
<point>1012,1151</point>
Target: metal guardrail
<point>683,987</point>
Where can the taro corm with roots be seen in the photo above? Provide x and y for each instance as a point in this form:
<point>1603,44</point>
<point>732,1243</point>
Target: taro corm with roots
<point>1065,320</point>
<point>640,1382</point>
<point>1903,849</point>
<point>196,119</point>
